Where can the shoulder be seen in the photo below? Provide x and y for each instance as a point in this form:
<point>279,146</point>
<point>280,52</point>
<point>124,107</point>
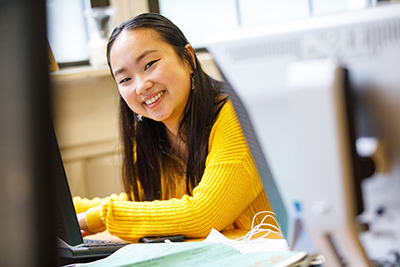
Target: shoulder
<point>226,133</point>
<point>226,116</point>
<point>227,119</point>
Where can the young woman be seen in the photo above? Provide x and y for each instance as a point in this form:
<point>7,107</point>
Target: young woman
<point>186,165</point>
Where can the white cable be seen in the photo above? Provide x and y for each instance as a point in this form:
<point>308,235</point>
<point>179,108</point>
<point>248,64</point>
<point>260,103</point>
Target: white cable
<point>258,228</point>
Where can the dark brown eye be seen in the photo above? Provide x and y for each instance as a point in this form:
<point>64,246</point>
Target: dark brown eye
<point>124,80</point>
<point>150,64</point>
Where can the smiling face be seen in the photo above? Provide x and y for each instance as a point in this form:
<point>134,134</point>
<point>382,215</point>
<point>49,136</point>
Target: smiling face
<point>152,79</point>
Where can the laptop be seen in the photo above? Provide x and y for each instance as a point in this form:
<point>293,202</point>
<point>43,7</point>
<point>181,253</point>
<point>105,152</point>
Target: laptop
<point>72,247</point>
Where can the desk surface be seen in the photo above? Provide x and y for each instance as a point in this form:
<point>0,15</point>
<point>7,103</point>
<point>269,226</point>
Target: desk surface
<point>231,234</point>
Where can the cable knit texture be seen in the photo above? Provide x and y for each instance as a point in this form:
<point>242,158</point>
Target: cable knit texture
<point>229,195</point>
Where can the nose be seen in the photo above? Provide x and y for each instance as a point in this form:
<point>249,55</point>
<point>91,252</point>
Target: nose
<point>143,85</point>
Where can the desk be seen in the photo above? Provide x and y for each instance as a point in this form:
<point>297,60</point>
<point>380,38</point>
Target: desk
<point>231,234</point>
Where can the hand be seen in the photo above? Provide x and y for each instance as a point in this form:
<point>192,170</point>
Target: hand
<point>82,224</point>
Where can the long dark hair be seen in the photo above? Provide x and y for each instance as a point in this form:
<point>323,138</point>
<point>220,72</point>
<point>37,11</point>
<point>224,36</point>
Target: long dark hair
<point>145,149</point>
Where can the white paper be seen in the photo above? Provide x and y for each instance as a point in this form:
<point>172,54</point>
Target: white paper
<point>249,246</point>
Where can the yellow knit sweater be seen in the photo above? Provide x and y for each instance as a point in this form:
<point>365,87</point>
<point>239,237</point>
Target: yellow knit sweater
<point>229,195</point>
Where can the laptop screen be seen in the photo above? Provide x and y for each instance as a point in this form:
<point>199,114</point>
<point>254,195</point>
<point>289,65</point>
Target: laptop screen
<point>67,226</point>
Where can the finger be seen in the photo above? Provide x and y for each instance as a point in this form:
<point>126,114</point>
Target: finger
<point>85,233</point>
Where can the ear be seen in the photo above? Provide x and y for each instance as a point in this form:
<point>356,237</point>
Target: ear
<point>192,55</point>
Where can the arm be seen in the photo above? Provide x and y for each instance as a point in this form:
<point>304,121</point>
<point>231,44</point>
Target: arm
<point>83,204</point>
<point>229,184</point>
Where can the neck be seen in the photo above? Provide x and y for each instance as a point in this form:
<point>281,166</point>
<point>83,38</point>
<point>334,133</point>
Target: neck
<point>177,144</point>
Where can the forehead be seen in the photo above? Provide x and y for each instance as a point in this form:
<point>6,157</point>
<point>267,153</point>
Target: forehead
<point>136,41</point>
<point>139,35</point>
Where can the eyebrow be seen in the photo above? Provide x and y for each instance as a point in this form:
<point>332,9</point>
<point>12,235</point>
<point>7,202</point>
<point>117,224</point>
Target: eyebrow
<point>119,71</point>
<point>144,54</point>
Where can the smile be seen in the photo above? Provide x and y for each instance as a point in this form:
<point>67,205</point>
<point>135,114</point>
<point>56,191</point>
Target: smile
<point>154,98</point>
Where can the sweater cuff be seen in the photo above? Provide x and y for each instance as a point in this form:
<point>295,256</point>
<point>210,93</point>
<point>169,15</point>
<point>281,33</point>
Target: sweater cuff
<point>94,221</point>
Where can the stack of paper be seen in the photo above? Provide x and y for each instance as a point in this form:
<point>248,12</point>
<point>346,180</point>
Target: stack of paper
<point>216,250</point>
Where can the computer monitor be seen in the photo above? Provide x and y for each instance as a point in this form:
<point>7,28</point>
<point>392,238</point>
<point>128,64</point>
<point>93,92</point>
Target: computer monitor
<point>270,70</point>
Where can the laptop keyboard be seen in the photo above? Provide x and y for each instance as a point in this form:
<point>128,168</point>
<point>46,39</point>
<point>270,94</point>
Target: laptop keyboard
<point>101,243</point>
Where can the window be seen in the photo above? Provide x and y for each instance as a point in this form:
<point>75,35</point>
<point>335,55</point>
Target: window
<point>205,17</point>
<point>199,18</point>
<point>67,31</point>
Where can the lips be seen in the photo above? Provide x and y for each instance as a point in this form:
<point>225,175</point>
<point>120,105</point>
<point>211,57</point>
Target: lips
<point>154,98</point>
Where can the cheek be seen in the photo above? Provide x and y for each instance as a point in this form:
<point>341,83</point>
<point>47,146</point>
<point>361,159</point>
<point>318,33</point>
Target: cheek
<point>179,80</point>
<point>129,98</point>
<point>173,72</point>
<point>124,93</point>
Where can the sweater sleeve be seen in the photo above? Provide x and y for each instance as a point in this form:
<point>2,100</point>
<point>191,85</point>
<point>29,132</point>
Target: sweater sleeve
<point>83,204</point>
<point>230,184</point>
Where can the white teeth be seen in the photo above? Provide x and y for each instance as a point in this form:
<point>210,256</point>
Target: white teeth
<point>154,99</point>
